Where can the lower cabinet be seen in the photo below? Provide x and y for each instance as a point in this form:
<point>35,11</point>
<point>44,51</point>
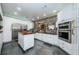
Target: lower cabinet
<point>66,46</point>
<point>38,36</point>
<point>48,38</point>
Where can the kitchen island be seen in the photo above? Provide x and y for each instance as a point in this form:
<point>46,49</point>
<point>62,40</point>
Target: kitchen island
<point>25,40</point>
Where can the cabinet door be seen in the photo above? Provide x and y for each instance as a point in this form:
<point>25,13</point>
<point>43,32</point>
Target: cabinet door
<point>51,39</point>
<point>38,36</point>
<point>21,40</point>
<point>45,38</point>
<point>67,13</point>
<point>59,43</point>
<point>65,46</point>
<point>28,41</point>
<point>68,48</point>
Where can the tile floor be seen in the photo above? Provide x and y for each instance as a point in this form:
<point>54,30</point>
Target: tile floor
<point>40,48</point>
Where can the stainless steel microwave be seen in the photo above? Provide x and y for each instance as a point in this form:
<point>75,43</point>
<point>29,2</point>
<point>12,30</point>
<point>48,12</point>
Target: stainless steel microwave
<point>64,31</point>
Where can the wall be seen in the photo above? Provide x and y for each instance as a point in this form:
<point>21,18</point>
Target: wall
<point>0,22</point>
<point>78,26</point>
<point>1,33</point>
<point>7,22</point>
<point>1,15</point>
<point>1,10</point>
<point>69,13</point>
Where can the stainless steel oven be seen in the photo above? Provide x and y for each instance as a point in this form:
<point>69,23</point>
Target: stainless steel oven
<point>65,26</point>
<point>64,31</point>
<point>65,35</point>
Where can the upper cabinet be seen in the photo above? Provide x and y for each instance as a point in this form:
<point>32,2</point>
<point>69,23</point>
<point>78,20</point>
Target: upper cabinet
<point>68,13</point>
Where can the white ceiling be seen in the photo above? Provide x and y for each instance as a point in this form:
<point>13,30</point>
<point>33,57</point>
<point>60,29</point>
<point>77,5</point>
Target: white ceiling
<point>32,11</point>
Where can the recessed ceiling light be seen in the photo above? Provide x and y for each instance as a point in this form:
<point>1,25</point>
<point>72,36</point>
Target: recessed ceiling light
<point>38,17</point>
<point>18,8</point>
<point>15,13</point>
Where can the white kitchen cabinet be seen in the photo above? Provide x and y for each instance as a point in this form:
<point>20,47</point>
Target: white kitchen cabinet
<point>65,46</point>
<point>37,36</point>
<point>53,40</point>
<point>26,41</point>
<point>45,37</point>
<point>68,12</point>
<point>49,38</point>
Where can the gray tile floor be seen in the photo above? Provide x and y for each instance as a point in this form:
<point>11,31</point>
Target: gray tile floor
<point>40,48</point>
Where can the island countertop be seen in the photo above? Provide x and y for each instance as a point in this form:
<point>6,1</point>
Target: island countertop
<point>25,33</point>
